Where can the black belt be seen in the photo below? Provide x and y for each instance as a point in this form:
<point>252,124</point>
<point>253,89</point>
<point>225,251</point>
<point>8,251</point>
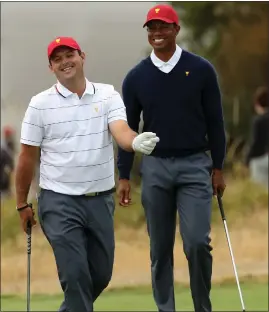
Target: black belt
<point>93,194</point>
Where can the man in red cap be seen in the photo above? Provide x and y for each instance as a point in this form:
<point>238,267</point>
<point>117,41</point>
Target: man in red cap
<point>180,97</point>
<point>73,123</point>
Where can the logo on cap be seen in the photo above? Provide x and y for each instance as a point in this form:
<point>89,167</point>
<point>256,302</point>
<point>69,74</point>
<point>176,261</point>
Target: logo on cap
<point>157,10</point>
<point>58,40</point>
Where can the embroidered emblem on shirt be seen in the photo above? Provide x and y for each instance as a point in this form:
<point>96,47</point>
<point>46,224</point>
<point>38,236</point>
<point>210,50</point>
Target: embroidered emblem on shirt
<point>187,73</point>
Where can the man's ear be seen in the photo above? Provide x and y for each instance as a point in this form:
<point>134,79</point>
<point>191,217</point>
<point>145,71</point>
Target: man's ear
<point>83,56</point>
<point>50,67</point>
<point>177,29</point>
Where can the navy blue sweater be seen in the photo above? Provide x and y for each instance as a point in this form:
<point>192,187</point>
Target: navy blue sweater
<point>182,107</point>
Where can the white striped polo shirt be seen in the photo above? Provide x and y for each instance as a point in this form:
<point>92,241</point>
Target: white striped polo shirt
<point>76,144</point>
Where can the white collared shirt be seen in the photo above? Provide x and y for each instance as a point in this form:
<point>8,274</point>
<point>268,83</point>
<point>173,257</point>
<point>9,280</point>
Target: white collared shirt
<point>76,145</point>
<point>166,67</point>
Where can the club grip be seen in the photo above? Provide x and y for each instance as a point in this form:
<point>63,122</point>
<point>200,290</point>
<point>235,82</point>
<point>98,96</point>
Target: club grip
<point>29,241</point>
<point>221,207</point>
<point>29,236</point>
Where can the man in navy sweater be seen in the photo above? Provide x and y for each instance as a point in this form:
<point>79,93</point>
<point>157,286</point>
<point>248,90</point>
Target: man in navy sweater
<point>179,95</point>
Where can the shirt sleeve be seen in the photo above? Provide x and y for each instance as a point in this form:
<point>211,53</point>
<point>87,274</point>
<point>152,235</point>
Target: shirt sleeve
<point>133,111</point>
<point>212,105</point>
<point>117,110</point>
<point>257,142</point>
<point>32,130</point>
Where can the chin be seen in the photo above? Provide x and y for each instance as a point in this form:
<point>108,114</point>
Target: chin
<point>69,76</point>
<point>159,47</point>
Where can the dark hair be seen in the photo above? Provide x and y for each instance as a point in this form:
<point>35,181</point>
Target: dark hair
<point>79,53</point>
<point>261,97</point>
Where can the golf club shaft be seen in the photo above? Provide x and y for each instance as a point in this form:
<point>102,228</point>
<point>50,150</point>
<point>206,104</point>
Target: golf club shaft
<point>231,251</point>
<point>29,243</point>
<point>234,267</point>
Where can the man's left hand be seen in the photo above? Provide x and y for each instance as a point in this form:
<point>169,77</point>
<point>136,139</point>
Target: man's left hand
<point>218,183</point>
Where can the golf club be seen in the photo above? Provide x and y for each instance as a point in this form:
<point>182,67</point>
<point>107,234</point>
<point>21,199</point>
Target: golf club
<point>230,248</point>
<point>29,249</point>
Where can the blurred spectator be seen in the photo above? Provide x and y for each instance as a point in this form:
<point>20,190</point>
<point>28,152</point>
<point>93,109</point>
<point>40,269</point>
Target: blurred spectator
<point>9,139</point>
<point>257,157</point>
<point>7,160</point>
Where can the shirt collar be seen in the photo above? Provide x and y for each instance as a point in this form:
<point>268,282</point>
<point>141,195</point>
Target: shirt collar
<point>173,60</point>
<point>90,89</point>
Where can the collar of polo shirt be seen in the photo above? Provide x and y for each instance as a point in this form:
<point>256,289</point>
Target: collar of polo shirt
<point>65,92</point>
<point>173,60</point>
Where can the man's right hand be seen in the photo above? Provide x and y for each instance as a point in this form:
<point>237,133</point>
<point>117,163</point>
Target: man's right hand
<point>27,215</point>
<point>145,142</point>
<point>124,192</point>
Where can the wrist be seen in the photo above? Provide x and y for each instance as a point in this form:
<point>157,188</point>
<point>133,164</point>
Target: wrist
<point>216,172</point>
<point>124,179</point>
<point>22,205</point>
<point>133,144</point>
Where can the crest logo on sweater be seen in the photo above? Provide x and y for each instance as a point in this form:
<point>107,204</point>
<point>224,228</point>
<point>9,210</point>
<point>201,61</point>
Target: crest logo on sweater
<point>187,73</point>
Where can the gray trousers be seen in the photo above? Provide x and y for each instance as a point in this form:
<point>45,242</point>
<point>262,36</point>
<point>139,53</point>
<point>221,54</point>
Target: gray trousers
<point>183,185</point>
<point>81,233</point>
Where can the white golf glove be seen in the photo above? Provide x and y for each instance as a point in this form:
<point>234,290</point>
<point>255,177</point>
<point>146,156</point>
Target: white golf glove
<point>145,142</point>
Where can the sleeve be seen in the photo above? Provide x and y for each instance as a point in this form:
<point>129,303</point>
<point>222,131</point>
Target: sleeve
<point>117,110</point>
<point>256,134</point>
<point>212,106</point>
<point>133,111</point>
<point>32,129</point>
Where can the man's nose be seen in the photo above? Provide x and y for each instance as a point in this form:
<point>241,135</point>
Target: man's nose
<point>65,61</point>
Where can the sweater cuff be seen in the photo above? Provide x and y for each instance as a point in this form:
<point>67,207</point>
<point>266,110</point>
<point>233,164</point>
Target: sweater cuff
<point>124,175</point>
<point>218,164</point>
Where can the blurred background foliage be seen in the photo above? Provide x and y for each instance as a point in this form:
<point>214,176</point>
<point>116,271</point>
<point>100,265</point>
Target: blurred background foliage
<point>234,37</point>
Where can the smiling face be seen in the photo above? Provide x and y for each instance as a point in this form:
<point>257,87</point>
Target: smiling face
<point>67,63</point>
<point>162,35</point>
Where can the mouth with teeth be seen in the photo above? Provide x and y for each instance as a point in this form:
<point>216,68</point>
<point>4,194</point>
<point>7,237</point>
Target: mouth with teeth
<point>158,40</point>
<point>67,69</point>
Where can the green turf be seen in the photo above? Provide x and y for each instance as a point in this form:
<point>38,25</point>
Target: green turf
<point>224,298</point>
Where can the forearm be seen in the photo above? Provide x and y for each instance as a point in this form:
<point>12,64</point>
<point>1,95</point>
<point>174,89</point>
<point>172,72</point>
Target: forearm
<point>217,143</point>
<point>216,137</point>
<point>124,163</point>
<point>125,139</point>
<point>23,180</point>
<point>212,106</point>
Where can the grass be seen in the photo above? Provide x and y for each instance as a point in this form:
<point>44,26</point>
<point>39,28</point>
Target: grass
<point>224,298</point>
<point>243,203</point>
<point>241,198</point>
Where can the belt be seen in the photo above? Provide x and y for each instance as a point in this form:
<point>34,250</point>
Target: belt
<point>93,194</point>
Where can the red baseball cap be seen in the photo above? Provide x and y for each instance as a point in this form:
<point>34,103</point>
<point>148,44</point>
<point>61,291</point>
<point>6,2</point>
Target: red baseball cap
<point>62,41</point>
<point>162,12</point>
